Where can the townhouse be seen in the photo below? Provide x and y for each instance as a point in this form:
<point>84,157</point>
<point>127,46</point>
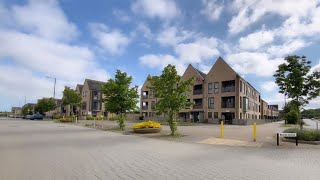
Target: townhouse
<point>221,94</point>
<point>91,95</point>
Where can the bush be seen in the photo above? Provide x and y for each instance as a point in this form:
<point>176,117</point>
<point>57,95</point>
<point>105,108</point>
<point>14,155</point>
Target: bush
<point>305,135</point>
<point>292,117</point>
<point>96,118</point>
<point>114,118</point>
<point>65,120</point>
<point>147,124</point>
<point>57,117</point>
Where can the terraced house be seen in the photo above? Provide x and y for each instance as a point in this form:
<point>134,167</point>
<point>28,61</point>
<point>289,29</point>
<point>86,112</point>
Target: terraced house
<point>91,95</point>
<point>221,94</point>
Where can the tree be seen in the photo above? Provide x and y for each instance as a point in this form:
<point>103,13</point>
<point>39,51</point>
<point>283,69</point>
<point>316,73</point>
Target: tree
<point>120,97</point>
<point>295,80</point>
<point>71,97</point>
<point>290,107</point>
<point>45,105</point>
<point>27,110</point>
<point>171,90</point>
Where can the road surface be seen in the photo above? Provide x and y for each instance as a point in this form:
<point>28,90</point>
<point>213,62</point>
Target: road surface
<point>42,150</point>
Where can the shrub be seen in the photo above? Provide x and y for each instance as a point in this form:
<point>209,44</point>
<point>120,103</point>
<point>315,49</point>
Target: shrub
<point>57,117</point>
<point>306,135</point>
<point>147,124</point>
<point>114,118</point>
<point>65,120</point>
<point>292,117</point>
<point>96,118</point>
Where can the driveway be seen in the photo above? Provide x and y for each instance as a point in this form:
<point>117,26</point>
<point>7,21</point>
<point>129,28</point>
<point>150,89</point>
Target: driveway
<point>42,150</point>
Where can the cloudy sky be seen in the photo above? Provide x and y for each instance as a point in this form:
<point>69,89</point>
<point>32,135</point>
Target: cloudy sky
<point>73,40</point>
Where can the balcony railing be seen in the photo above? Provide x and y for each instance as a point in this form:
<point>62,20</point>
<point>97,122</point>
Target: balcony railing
<point>197,91</point>
<point>144,96</point>
<point>228,89</point>
<point>197,106</point>
<point>228,105</point>
<point>144,107</point>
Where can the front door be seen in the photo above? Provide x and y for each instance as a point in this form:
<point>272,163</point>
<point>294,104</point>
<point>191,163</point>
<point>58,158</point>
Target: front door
<point>227,117</point>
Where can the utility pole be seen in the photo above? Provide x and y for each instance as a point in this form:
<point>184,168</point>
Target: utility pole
<point>54,85</point>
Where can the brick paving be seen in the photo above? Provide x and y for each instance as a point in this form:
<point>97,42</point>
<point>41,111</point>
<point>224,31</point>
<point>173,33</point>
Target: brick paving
<point>45,150</point>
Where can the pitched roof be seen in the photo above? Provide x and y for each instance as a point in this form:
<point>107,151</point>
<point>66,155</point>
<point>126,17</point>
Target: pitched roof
<point>80,87</point>
<point>201,73</point>
<point>94,85</point>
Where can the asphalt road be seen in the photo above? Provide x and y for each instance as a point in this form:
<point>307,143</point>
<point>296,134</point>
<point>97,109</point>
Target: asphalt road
<point>42,150</point>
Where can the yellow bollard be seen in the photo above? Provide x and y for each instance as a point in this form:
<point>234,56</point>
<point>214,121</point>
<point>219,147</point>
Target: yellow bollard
<point>254,132</point>
<point>221,130</point>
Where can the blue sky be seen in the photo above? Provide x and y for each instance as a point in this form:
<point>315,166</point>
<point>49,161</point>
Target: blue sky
<point>73,40</point>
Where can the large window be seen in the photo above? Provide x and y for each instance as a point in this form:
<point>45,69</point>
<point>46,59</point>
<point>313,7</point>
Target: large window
<point>240,102</point>
<point>228,86</point>
<point>210,88</point>
<point>216,87</point>
<point>210,102</point>
<point>240,86</point>
<point>210,115</point>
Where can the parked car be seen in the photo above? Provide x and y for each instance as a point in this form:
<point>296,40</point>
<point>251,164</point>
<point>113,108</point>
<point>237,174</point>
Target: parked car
<point>36,116</point>
<point>27,117</point>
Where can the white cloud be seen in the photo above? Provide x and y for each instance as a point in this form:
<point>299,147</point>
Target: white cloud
<point>256,40</point>
<point>197,51</point>
<point>113,41</point>
<point>39,47</point>
<point>287,47</point>
<point>211,9</point>
<point>145,30</point>
<point>250,11</point>
<point>162,60</point>
<point>121,15</point>
<point>171,36</point>
<point>163,9</point>
<point>269,86</point>
<point>259,64</point>
<point>45,19</point>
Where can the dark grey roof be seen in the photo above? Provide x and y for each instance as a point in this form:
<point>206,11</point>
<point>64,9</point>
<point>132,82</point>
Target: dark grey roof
<point>201,73</point>
<point>94,85</point>
<point>80,87</point>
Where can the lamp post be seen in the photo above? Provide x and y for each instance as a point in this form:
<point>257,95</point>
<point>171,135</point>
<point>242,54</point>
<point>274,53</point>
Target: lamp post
<point>54,86</point>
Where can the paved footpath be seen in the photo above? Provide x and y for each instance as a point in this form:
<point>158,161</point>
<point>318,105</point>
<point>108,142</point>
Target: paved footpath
<point>40,150</point>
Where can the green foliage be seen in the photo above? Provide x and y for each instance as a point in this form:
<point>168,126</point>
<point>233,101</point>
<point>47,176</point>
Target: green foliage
<point>119,96</point>
<point>66,119</point>
<point>114,118</point>
<point>311,113</point>
<point>170,90</point>
<point>45,105</point>
<point>297,82</point>
<point>96,118</point>
<point>27,110</point>
<point>306,135</point>
<point>71,97</point>
<point>57,117</point>
<point>292,117</point>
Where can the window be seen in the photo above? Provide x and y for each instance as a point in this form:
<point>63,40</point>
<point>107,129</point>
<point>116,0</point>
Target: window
<point>240,86</point>
<point>240,115</point>
<point>210,102</point>
<point>209,114</point>
<point>216,87</point>
<point>209,88</point>
<point>215,114</point>
<point>240,102</point>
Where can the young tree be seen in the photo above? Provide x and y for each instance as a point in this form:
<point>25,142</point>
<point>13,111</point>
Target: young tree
<point>119,96</point>
<point>295,80</point>
<point>71,97</point>
<point>45,105</point>
<point>171,90</point>
<point>27,110</point>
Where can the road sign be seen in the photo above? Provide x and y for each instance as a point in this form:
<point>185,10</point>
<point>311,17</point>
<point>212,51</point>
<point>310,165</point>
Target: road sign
<point>288,134</point>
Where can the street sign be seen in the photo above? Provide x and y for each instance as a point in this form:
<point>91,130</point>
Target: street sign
<point>288,134</point>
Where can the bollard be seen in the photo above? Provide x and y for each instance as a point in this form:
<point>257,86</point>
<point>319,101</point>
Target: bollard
<point>254,132</point>
<point>94,122</point>
<point>102,123</point>
<point>76,120</point>
<point>221,130</point>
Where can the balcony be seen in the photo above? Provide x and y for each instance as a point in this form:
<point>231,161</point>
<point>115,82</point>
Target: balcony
<point>197,89</point>
<point>145,107</point>
<point>228,102</point>
<point>228,86</point>
<point>197,106</point>
<point>144,96</point>
<point>197,92</point>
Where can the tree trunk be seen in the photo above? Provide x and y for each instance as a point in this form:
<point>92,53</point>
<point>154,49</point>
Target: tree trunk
<point>121,122</point>
<point>172,123</point>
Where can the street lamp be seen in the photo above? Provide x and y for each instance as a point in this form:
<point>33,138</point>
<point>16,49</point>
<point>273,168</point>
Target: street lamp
<point>54,87</point>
